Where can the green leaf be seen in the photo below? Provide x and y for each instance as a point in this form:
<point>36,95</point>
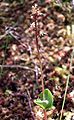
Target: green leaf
<point>46,99</point>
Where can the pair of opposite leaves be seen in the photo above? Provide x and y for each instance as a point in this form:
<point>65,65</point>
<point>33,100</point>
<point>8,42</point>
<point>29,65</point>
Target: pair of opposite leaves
<point>45,99</point>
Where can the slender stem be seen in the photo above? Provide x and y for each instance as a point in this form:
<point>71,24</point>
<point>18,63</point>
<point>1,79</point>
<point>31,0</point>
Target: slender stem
<point>37,45</point>
<point>67,84</point>
<point>45,115</point>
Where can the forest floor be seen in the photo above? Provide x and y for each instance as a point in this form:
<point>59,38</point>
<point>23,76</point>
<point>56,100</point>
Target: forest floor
<point>20,73</point>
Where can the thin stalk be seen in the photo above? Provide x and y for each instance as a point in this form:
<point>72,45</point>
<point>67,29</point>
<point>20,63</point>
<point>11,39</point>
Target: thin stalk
<point>39,58</point>
<point>68,78</point>
<point>45,115</point>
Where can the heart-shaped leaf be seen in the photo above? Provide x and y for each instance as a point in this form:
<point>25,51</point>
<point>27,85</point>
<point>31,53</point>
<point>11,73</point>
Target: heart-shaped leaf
<point>46,99</point>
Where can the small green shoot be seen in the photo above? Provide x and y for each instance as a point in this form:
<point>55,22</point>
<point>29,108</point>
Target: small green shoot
<point>46,102</point>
